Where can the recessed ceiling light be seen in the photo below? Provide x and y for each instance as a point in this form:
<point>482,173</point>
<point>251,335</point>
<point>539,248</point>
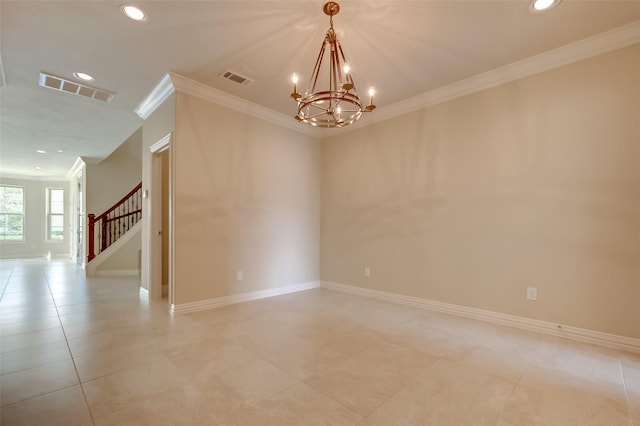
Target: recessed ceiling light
<point>542,5</point>
<point>83,76</point>
<point>41,151</point>
<point>133,12</point>
<point>60,150</point>
<point>38,168</point>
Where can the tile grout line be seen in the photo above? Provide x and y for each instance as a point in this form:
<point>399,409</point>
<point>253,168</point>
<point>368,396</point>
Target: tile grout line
<point>626,394</point>
<point>411,382</point>
<point>64,333</point>
<point>524,369</point>
<point>4,289</point>
<point>42,394</point>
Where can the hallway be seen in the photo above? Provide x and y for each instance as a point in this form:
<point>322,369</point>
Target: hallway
<point>79,351</point>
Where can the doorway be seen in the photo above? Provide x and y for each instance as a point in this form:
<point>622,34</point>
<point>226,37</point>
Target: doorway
<point>80,225</point>
<point>160,227</point>
<point>164,230</point>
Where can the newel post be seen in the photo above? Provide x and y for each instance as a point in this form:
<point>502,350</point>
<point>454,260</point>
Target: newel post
<point>90,238</point>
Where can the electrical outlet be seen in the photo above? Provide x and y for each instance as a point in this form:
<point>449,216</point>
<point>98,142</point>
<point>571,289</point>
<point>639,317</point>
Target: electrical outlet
<point>532,293</point>
<point>239,275</point>
<point>367,272</point>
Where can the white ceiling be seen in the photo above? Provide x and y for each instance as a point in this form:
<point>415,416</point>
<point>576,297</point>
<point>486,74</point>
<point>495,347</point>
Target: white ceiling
<point>403,48</point>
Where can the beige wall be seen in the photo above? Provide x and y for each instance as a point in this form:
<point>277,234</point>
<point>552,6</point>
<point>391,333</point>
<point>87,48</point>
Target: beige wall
<point>112,178</point>
<point>107,182</point>
<point>35,243</point>
<point>125,261</point>
<point>247,197</point>
<point>533,183</point>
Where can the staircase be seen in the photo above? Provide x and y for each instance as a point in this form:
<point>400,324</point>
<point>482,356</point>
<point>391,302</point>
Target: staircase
<point>107,228</point>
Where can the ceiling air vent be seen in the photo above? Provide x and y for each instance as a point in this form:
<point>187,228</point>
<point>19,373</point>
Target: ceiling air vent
<point>236,78</point>
<point>63,85</point>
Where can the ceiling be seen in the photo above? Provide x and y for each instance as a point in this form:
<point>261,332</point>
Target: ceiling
<point>403,48</point>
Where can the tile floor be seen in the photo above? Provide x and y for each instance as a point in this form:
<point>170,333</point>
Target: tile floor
<point>92,352</point>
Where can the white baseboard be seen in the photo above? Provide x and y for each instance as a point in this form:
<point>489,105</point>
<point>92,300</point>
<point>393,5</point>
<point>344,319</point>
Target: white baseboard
<point>118,273</point>
<point>144,293</point>
<point>544,327</point>
<point>242,297</point>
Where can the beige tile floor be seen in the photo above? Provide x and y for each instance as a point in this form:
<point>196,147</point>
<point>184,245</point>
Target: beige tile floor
<point>92,352</point>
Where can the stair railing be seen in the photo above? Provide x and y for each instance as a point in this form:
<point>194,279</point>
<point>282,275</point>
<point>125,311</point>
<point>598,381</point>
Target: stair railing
<point>105,229</point>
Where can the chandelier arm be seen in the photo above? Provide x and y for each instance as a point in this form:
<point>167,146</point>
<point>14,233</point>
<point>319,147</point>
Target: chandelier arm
<point>339,80</point>
<point>315,115</point>
<point>332,75</point>
<point>318,107</point>
<point>349,78</point>
<point>338,69</point>
<point>316,68</point>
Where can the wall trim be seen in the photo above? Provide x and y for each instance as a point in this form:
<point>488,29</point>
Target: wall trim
<point>155,98</point>
<point>3,79</point>
<point>232,299</point>
<point>598,44</point>
<point>17,176</point>
<point>77,167</point>
<point>162,144</point>
<point>202,91</point>
<point>544,327</point>
<point>118,273</point>
<point>589,47</point>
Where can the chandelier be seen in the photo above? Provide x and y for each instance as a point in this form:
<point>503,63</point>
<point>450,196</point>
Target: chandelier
<point>339,105</point>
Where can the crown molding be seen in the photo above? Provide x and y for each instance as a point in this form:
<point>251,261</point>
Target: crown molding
<point>197,89</point>
<point>16,176</point>
<point>3,79</point>
<point>155,98</point>
<point>77,167</point>
<point>615,39</point>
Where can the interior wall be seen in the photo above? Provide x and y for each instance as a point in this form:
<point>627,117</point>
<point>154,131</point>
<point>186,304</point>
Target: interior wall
<point>112,178</point>
<point>247,198</point>
<point>35,242</point>
<point>125,261</point>
<point>535,183</point>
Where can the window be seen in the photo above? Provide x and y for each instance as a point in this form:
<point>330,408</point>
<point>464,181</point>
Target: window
<point>11,213</point>
<point>55,214</point>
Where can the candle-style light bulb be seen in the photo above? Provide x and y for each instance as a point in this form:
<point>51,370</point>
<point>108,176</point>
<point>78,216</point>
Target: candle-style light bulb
<point>347,84</point>
<point>371,106</point>
<point>336,116</point>
<point>295,95</point>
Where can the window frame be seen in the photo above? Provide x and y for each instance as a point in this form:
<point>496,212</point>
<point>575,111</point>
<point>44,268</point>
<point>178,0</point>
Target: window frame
<point>49,215</point>
<point>22,214</point>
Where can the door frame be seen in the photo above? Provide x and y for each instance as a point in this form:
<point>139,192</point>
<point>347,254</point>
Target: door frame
<point>154,225</point>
